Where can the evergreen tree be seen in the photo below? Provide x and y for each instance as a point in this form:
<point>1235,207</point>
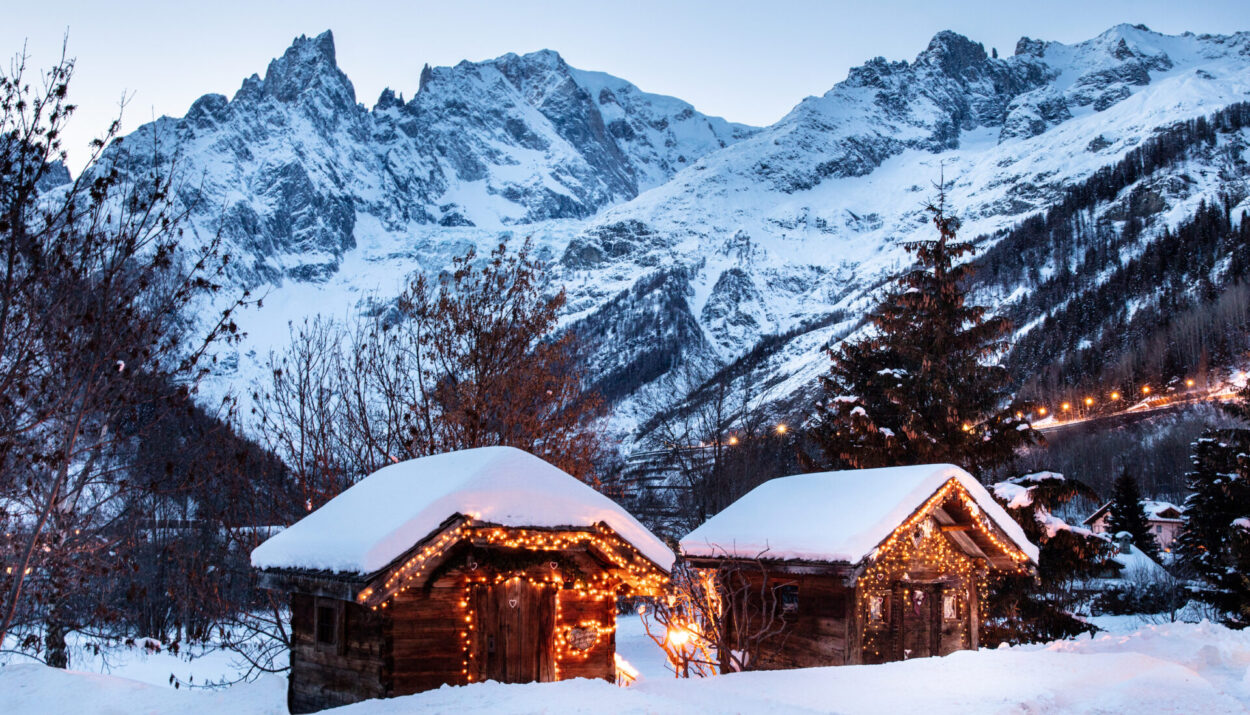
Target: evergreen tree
<point>923,385</point>
<point>1128,515</point>
<point>1215,542</point>
<point>1024,609</point>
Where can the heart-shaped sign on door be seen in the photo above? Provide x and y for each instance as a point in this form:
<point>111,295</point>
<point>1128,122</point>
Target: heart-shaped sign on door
<point>512,602</point>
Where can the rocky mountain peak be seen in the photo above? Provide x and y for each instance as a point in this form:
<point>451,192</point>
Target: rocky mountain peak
<point>308,65</point>
<point>953,53</point>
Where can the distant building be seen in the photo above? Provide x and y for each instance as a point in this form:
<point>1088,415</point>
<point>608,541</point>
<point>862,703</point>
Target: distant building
<point>1163,517</point>
<point>871,565</point>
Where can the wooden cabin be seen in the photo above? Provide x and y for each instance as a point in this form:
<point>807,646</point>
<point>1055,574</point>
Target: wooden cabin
<point>862,566</point>
<point>484,564</point>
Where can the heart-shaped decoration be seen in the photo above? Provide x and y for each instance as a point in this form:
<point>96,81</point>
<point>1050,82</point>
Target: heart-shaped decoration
<point>473,566</point>
<point>554,565</point>
<point>512,602</point>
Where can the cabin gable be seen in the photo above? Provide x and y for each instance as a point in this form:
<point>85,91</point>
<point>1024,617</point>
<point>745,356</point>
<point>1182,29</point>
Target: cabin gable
<point>917,592</point>
<point>472,602</point>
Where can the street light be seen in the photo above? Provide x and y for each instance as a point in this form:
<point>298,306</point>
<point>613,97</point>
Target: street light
<point>1065,407</point>
<point>1115,395</point>
<point>1145,389</point>
<point>1089,402</point>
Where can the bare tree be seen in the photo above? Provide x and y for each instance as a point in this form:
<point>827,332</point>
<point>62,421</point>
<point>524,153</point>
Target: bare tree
<point>717,620</point>
<point>471,360</point>
<point>713,444</point>
<point>94,332</point>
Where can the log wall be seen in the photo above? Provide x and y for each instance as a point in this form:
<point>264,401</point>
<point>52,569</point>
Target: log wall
<point>355,669</point>
<point>426,647</point>
<point>596,661</point>
<point>816,633</point>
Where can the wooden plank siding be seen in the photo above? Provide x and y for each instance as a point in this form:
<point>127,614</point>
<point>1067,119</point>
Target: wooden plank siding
<point>426,648</point>
<point>596,662</point>
<point>816,633</point>
<point>415,642</point>
<point>831,625</point>
<point>323,676</point>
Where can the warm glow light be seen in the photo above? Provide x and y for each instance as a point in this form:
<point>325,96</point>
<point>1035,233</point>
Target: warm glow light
<point>1065,407</point>
<point>1189,382</point>
<point>1019,415</point>
<point>1089,401</point>
<point>781,429</point>
<point>1115,395</point>
<point>1041,411</point>
<point>678,636</point>
<point>733,440</point>
<point>1145,389</point>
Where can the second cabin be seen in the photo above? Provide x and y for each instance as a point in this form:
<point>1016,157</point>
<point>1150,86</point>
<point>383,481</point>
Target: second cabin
<point>863,566</point>
<point>485,564</point>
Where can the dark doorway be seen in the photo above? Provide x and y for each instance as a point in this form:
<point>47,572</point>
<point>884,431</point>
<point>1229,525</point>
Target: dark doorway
<point>515,623</point>
<point>919,621</point>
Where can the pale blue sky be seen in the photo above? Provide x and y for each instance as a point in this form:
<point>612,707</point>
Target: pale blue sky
<point>747,61</point>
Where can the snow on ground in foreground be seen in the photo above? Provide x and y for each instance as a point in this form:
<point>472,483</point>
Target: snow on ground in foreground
<point>1170,668</point>
<point>34,688</point>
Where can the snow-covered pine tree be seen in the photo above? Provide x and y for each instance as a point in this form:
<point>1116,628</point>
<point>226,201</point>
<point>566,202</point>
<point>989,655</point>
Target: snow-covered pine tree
<point>923,385</point>
<point>1025,609</point>
<point>1128,515</point>
<point>1214,544</point>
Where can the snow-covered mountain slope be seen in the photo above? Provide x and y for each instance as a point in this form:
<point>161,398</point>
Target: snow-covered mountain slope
<point>680,238</point>
<point>296,172</point>
<point>801,221</point>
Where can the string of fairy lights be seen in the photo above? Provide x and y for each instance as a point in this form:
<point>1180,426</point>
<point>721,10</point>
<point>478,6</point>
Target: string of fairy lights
<point>919,541</point>
<point>574,641</point>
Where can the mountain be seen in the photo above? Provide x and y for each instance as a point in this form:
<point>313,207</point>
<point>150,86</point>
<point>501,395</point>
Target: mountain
<point>295,170</point>
<point>685,239</point>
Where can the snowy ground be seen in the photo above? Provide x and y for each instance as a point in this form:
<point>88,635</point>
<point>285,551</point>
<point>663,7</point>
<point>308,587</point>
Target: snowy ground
<point>1169,668</point>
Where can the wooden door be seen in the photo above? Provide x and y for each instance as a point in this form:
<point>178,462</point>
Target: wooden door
<point>920,622</point>
<point>515,626</point>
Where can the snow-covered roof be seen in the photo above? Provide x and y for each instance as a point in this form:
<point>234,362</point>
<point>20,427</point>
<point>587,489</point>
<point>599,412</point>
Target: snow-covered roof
<point>1155,509</point>
<point>1161,510</point>
<point>835,516</point>
<point>385,514</point>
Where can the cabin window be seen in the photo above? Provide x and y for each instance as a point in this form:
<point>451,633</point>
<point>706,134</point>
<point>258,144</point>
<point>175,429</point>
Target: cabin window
<point>878,608</point>
<point>328,624</point>
<point>789,597</point>
<point>950,606</point>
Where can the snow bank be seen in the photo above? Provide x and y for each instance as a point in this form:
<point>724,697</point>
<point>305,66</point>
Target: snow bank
<point>1137,567</point>
<point>1172,668</point>
<point>34,688</point>
<point>371,524</point>
<point>835,516</point>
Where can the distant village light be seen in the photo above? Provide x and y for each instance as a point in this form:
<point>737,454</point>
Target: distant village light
<point>781,429</point>
<point>1115,395</point>
<point>1145,389</point>
<point>733,440</point>
<point>1065,407</point>
<point>1041,411</point>
<point>1089,401</point>
<point>1189,382</point>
